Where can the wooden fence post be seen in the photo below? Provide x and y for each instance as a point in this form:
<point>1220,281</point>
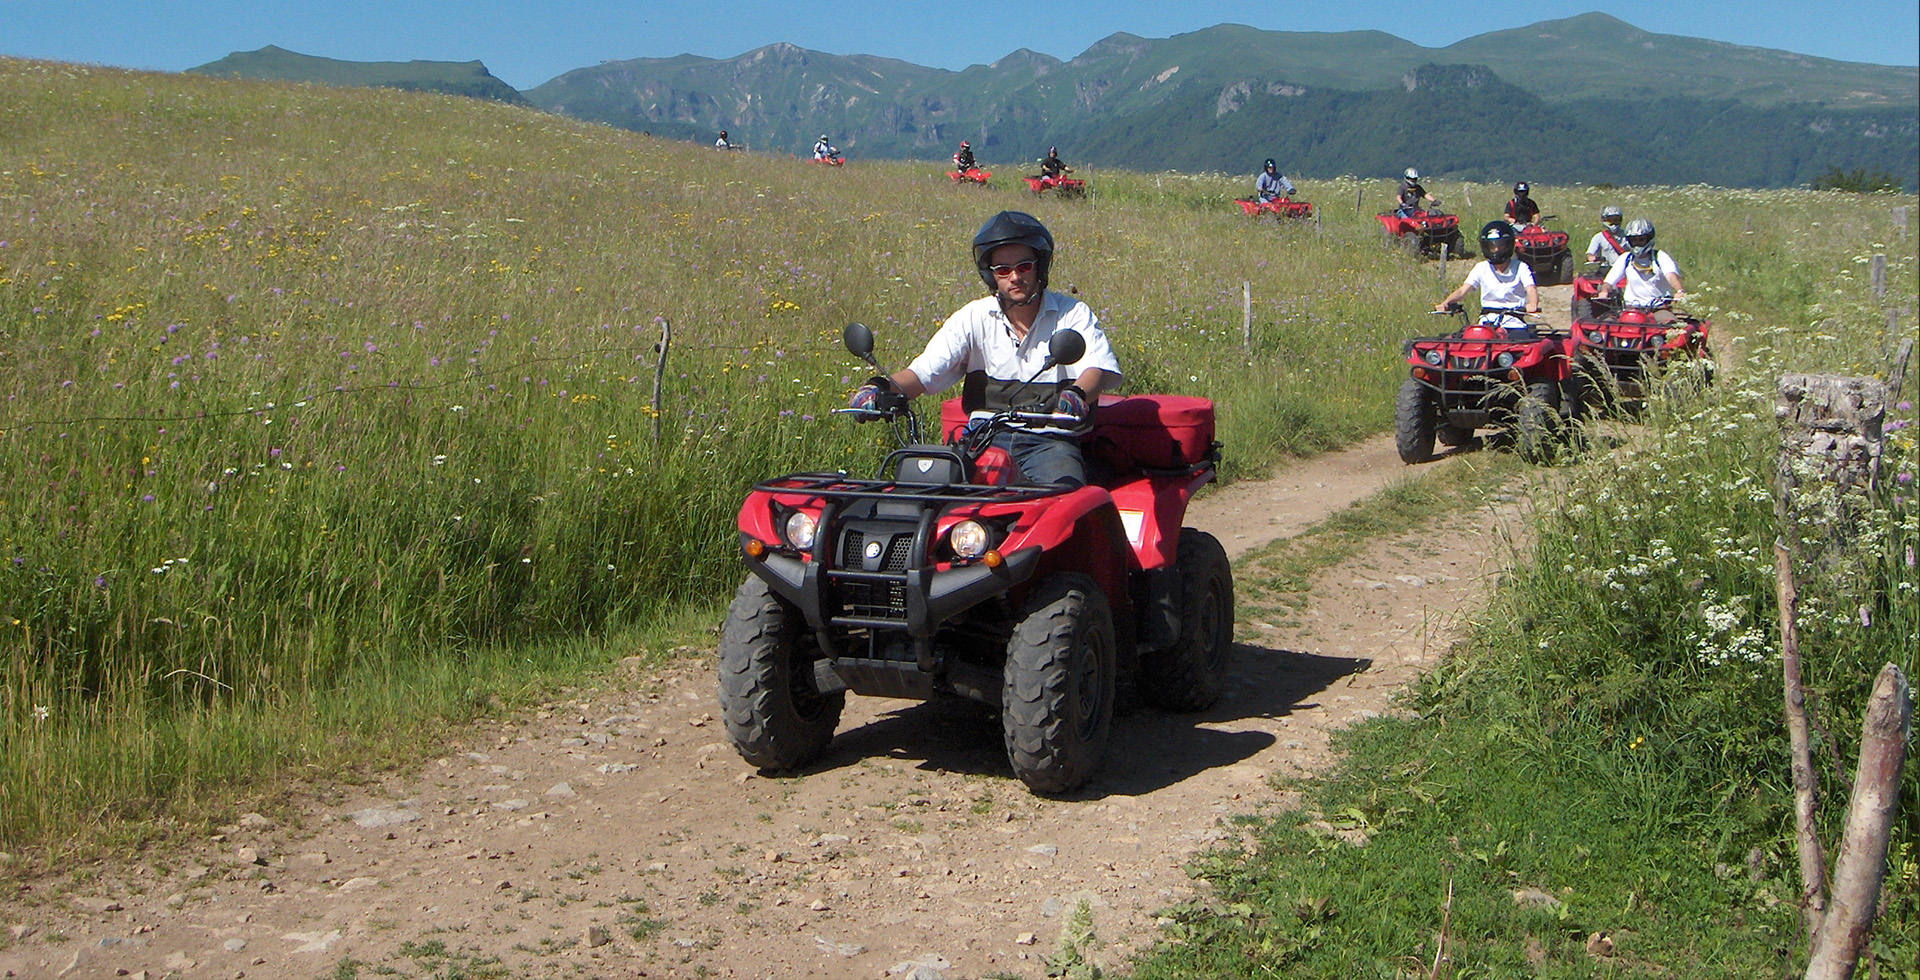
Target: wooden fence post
<point>1246,314</point>
<point>1861,868</point>
<point>1900,221</point>
<point>659,371</point>
<point>1879,275</point>
<point>1444,247</point>
<point>1806,836</point>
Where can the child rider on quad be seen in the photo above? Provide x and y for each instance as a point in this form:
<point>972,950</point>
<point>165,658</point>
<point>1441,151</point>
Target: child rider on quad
<point>963,160</point>
<point>1052,166</point>
<point>1505,284</point>
<point>1609,243</point>
<point>998,343</point>
<point>1648,279</point>
<point>1521,211</point>
<point>1411,194</point>
<point>1270,185</point>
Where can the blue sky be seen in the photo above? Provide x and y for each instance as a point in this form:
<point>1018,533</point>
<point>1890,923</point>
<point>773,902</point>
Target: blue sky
<point>528,43</point>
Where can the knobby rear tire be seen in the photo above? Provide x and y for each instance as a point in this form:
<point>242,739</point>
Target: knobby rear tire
<point>1191,674</point>
<point>1414,414</point>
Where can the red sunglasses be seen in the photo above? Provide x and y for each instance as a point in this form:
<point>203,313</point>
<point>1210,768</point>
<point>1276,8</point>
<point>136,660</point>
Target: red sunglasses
<point>1016,269</point>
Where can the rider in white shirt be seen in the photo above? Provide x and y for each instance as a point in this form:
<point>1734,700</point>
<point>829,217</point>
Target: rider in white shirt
<point>1505,283</point>
<point>995,346</point>
<point>1648,279</point>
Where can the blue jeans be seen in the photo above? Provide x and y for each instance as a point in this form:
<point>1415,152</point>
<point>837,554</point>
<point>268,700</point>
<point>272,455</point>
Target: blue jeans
<point>1045,459</point>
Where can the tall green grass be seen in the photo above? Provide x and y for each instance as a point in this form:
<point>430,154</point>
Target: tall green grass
<point>310,390</point>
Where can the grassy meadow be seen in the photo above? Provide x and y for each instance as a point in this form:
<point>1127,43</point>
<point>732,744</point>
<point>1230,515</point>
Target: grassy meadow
<point>328,424</point>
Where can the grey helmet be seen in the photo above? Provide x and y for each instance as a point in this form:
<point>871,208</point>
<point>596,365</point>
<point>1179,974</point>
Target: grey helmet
<point>1412,174</point>
<point>1640,240</point>
<point>1013,228</point>
<point>1610,216</point>
<point>1496,241</point>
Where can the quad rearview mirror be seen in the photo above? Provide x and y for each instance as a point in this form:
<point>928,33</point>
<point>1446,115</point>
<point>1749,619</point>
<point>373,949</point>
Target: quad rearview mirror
<point>859,341</point>
<point>1066,347</point>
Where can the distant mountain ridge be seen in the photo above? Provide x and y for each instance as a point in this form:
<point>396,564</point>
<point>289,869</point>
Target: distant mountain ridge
<point>467,78</point>
<point>1588,98</point>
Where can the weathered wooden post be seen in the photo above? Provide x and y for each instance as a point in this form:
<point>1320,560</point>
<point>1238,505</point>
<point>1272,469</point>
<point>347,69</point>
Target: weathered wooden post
<point>1900,220</point>
<point>659,371</point>
<point>1444,246</point>
<point>1879,275</point>
<point>1246,315</point>
<point>1830,454</point>
<point>1861,868</point>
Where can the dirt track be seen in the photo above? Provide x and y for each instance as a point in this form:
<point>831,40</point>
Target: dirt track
<point>618,835</point>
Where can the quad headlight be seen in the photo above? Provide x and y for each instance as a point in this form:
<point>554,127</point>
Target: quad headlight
<point>1505,359</point>
<point>1597,338</point>
<point>969,539</point>
<point>801,528</point>
<point>1434,357</point>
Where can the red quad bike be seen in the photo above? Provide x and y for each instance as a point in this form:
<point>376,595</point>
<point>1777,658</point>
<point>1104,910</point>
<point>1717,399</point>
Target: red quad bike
<point>971,175</point>
<point>1065,186</point>
<point>1423,231</point>
<point>1587,303</point>
<point>1279,207</point>
<point>1615,355</point>
<point>1480,377</point>
<point>1545,252</point>
<point>945,576</point>
<point>833,161</point>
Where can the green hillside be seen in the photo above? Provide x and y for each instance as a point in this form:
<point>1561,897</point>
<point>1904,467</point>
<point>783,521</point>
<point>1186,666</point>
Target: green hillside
<point>466,78</point>
<point>1211,100</point>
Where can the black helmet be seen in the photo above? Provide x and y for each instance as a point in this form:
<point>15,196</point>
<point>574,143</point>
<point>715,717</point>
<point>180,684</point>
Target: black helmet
<point>1013,228</point>
<point>1520,189</point>
<point>1270,164</point>
<point>1640,239</point>
<point>1496,241</point>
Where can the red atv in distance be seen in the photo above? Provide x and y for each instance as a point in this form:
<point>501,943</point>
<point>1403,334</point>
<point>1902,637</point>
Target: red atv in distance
<point>971,175</point>
<point>1588,304</point>
<point>1483,376</point>
<point>1615,355</point>
<point>1065,186</point>
<point>1425,232</point>
<point>1279,207</point>
<point>1545,252</point>
<point>945,576</point>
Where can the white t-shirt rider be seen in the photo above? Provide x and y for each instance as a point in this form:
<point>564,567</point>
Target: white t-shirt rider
<point>1648,287</point>
<point>1501,290</point>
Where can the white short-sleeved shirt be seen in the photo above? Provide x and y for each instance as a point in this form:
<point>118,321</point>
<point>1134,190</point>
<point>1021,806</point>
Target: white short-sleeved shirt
<point>1501,290</point>
<point>1603,248</point>
<point>977,338</point>
<point>1643,288</point>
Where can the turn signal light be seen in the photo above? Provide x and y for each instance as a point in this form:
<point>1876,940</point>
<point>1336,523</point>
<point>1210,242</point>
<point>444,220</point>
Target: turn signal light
<point>755,548</point>
<point>992,559</point>
<point>1513,375</point>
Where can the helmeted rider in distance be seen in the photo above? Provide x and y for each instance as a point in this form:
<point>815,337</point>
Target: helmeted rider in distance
<point>824,150</point>
<point>1411,194</point>
<point>963,159</point>
<point>994,345</point>
<point>1609,243</point>
<point>1052,166</point>
<point>1271,185</point>
<point>1505,284</point>
<point>1521,211</point>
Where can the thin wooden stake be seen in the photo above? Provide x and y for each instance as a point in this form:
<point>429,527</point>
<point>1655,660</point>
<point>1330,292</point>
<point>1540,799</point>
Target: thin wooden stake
<point>1358,193</point>
<point>1246,314</point>
<point>1466,194</point>
<point>1444,246</point>
<point>1813,872</point>
<point>659,371</point>
<point>1746,223</point>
